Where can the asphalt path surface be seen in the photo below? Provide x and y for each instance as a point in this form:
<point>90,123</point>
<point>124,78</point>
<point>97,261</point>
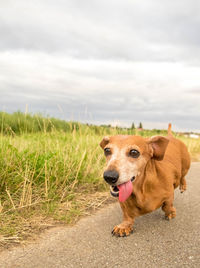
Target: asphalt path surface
<point>154,243</point>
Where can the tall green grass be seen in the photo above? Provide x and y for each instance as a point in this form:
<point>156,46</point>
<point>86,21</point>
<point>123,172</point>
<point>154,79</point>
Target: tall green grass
<point>20,123</point>
<point>39,167</point>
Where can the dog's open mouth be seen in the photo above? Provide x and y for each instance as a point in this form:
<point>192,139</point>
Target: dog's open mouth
<point>123,191</point>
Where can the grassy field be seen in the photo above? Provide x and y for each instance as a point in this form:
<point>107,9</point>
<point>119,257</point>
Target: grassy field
<point>51,172</point>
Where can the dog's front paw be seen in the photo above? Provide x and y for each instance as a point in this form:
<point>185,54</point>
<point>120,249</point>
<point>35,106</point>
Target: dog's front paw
<point>122,230</point>
<point>171,215</point>
<point>182,188</point>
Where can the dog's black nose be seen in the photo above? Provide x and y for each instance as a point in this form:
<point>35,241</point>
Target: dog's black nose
<point>111,176</point>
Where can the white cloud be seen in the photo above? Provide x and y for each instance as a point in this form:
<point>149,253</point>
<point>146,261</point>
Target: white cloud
<point>122,61</point>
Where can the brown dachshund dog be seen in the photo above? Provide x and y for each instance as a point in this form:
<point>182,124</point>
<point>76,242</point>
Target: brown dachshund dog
<point>143,173</point>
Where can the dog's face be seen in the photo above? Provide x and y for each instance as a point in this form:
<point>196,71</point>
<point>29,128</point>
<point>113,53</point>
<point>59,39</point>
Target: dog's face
<point>127,156</point>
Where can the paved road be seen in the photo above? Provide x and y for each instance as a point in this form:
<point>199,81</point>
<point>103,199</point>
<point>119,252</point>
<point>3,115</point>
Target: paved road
<point>154,243</point>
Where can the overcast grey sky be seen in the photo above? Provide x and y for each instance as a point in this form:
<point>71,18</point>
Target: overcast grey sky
<point>108,61</point>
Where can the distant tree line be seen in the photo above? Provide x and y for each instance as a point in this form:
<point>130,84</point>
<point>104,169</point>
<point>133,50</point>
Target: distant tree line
<point>140,126</point>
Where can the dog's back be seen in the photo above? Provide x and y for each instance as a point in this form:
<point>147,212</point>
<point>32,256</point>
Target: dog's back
<point>177,155</point>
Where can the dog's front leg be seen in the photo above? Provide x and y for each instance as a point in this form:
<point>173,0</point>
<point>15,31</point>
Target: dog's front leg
<point>126,227</point>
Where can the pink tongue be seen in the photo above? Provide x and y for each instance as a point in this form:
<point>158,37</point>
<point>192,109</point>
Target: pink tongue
<point>125,190</point>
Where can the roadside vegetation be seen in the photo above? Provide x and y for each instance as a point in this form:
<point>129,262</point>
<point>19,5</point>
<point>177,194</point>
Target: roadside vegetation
<point>51,171</point>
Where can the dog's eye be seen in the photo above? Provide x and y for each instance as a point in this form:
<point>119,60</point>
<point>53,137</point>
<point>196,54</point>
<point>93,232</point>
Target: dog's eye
<point>134,153</point>
<point>107,151</point>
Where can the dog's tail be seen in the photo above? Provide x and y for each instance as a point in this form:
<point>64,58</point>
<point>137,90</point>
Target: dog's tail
<point>170,130</point>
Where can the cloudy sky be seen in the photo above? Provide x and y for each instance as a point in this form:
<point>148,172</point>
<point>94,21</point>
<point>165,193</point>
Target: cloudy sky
<point>108,61</point>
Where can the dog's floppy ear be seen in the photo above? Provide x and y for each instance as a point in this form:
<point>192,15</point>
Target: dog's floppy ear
<point>104,142</point>
<point>159,145</point>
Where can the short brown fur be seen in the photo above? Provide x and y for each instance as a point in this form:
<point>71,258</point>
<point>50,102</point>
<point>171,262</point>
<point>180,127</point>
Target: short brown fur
<point>162,166</point>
